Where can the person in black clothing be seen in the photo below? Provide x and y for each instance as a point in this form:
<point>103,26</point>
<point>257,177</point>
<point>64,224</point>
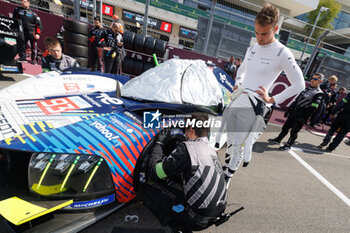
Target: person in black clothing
<point>332,99</point>
<point>230,66</point>
<point>32,29</point>
<point>341,122</point>
<point>326,86</point>
<point>95,48</point>
<point>316,116</point>
<point>112,43</point>
<point>187,205</point>
<point>238,62</point>
<point>299,112</point>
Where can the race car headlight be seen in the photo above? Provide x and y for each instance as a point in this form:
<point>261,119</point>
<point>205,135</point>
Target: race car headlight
<point>69,175</point>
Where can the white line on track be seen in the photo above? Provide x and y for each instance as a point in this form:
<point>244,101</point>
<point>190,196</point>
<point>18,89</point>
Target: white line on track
<point>321,178</point>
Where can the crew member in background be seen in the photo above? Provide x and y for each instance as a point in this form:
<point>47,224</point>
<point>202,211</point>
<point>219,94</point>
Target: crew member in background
<point>32,29</point>
<point>112,44</point>
<point>332,100</point>
<point>326,88</point>
<point>95,48</point>
<point>342,122</point>
<point>121,28</point>
<point>230,67</point>
<point>56,60</point>
<point>300,111</point>
<point>243,118</point>
<point>238,62</point>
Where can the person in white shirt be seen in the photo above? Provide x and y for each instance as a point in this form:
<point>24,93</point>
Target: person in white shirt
<point>263,63</point>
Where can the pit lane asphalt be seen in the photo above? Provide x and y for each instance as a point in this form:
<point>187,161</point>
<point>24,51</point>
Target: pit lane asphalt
<point>303,190</point>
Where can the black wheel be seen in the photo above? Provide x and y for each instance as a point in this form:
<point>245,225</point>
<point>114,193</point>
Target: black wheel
<point>149,45</point>
<point>160,48</point>
<point>139,42</point>
<point>137,67</point>
<point>75,38</point>
<point>127,65</point>
<point>142,162</point>
<point>76,26</point>
<point>75,50</point>
<point>147,66</point>
<point>83,61</point>
<point>128,39</point>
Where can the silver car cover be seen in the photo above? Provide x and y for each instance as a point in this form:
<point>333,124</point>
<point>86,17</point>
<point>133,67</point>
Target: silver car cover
<point>176,81</point>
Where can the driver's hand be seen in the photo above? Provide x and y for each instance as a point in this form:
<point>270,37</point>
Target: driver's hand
<point>162,136</point>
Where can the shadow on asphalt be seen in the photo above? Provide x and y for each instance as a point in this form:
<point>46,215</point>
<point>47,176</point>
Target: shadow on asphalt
<point>261,147</point>
<point>6,78</point>
<point>310,148</point>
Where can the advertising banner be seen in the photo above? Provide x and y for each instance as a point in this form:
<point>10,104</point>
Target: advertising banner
<point>152,22</point>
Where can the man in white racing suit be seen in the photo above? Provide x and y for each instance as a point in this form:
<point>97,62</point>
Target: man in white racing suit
<point>263,63</point>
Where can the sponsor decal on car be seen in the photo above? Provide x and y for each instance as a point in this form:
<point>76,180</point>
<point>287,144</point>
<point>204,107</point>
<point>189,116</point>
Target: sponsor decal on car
<point>54,106</point>
<point>103,129</point>
<point>106,99</point>
<point>92,101</point>
<point>116,121</point>
<point>91,204</point>
<point>71,87</point>
<point>9,122</point>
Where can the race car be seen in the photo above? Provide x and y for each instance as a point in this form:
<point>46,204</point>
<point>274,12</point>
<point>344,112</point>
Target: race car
<point>76,141</point>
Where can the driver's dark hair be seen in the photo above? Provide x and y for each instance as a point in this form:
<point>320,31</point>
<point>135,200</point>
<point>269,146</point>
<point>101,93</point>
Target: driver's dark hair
<point>200,131</point>
<point>320,75</point>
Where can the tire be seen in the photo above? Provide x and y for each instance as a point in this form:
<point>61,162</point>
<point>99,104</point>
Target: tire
<point>139,42</point>
<point>127,65</point>
<point>147,66</point>
<point>75,50</point>
<point>137,67</point>
<point>160,48</point>
<point>76,26</point>
<point>83,61</point>
<point>128,40</point>
<point>149,45</point>
<point>75,38</point>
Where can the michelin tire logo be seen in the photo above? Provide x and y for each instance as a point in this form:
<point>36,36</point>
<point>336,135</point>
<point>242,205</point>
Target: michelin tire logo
<point>151,120</point>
